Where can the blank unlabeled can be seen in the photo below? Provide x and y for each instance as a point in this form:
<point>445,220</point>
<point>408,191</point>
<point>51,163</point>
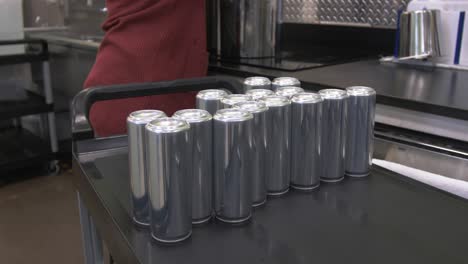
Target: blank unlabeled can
<point>201,128</point>
<point>210,100</point>
<point>333,147</point>
<point>278,157</point>
<point>169,163</point>
<point>136,123</point>
<point>360,140</point>
<point>306,109</point>
<point>258,149</point>
<point>285,81</point>
<point>257,94</point>
<point>289,91</point>
<point>232,175</point>
<point>232,99</point>
<point>256,82</point>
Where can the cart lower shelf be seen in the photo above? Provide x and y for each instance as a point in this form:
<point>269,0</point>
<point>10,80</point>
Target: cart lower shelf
<point>20,148</point>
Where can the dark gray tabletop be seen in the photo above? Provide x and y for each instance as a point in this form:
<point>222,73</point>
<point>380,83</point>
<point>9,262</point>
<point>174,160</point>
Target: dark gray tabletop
<point>437,91</point>
<point>384,218</point>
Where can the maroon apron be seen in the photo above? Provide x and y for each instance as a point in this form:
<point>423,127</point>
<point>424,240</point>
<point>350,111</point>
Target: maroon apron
<point>147,41</point>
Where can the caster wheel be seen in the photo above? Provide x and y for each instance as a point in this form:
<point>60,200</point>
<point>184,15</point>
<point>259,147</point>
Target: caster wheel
<point>53,168</point>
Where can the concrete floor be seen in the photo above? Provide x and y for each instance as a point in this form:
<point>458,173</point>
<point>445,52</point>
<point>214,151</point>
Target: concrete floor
<point>39,221</point>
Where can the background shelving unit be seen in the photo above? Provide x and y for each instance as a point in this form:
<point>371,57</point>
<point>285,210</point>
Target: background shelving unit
<point>18,146</point>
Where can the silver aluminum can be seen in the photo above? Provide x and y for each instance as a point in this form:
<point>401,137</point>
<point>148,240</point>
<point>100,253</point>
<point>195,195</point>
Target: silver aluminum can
<point>333,147</point>
<point>284,81</point>
<point>232,175</point>
<point>136,123</point>
<point>278,157</point>
<point>232,99</point>
<point>210,100</point>
<point>169,163</point>
<point>256,82</point>
<point>360,134</point>
<point>306,127</point>
<point>289,91</point>
<point>201,129</point>
<point>258,149</point>
<point>257,94</point>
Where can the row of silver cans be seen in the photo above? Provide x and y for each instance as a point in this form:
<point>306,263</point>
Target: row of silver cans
<point>260,82</point>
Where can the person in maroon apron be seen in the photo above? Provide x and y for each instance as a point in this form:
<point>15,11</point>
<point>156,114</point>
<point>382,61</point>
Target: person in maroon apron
<point>147,41</point>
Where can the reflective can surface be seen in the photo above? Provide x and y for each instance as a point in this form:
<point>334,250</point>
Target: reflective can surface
<point>278,157</point>
<point>210,100</point>
<point>285,81</point>
<point>136,123</point>
<point>258,149</point>
<point>360,134</point>
<point>333,147</point>
<point>232,176</point>
<point>256,82</point>
<point>169,166</point>
<point>201,130</point>
<point>257,94</point>
<point>232,99</point>
<point>288,91</point>
<point>306,128</point>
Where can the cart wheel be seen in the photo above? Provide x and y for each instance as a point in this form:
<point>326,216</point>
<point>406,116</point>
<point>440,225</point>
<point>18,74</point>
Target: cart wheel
<point>53,168</point>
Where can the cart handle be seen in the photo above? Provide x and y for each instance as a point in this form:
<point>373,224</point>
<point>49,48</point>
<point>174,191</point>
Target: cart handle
<point>81,104</point>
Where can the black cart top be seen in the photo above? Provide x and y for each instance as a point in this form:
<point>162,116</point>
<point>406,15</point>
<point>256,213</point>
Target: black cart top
<point>384,218</point>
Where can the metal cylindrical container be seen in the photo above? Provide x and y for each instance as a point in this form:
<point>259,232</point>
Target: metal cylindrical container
<point>256,82</point>
<point>136,123</point>
<point>257,94</point>
<point>360,130</point>
<point>210,100</point>
<point>232,155</point>
<point>258,149</point>
<point>232,99</point>
<point>306,127</point>
<point>284,81</point>
<point>248,29</point>
<point>169,163</point>
<point>201,129</point>
<point>278,157</point>
<point>289,91</point>
<point>333,143</point>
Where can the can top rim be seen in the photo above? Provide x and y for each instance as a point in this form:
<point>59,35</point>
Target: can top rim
<point>212,94</point>
<point>232,99</point>
<point>257,80</point>
<point>232,115</point>
<point>167,125</point>
<point>275,100</point>
<point>252,106</point>
<point>360,91</point>
<point>306,98</point>
<point>145,116</point>
<point>331,94</point>
<point>289,91</point>
<point>286,81</point>
<point>193,115</point>
<point>259,93</point>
